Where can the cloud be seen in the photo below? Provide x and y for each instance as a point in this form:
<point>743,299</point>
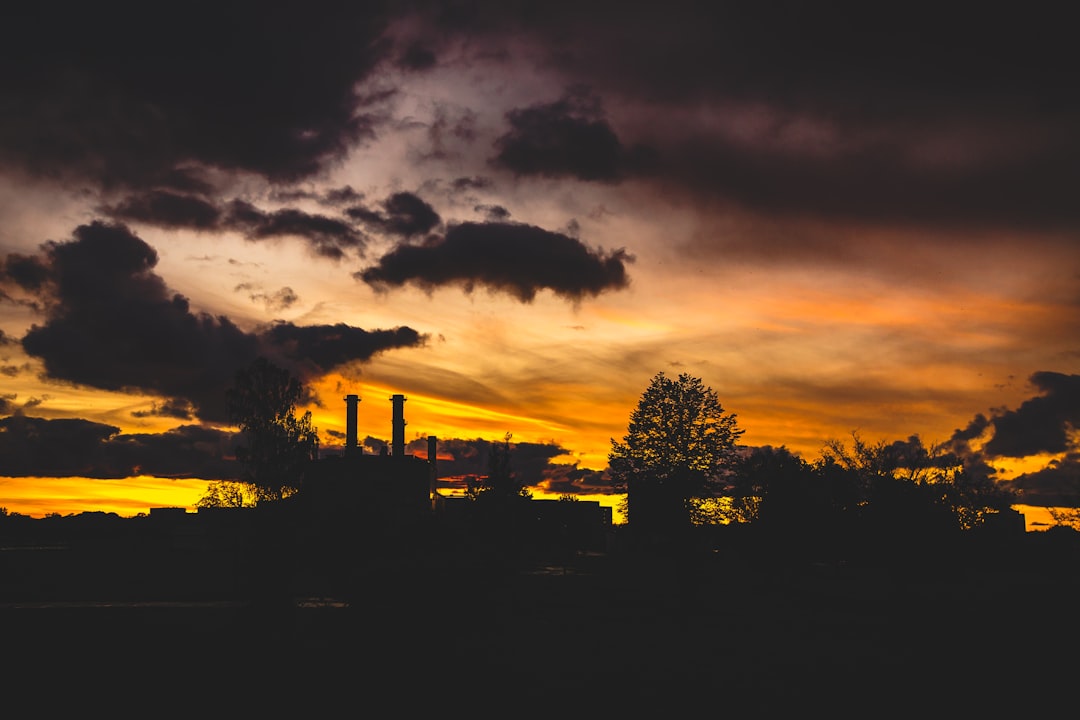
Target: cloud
<point>167,208</point>
<point>99,95</point>
<point>571,479</point>
<point>326,236</point>
<point>281,299</point>
<point>404,214</point>
<point>494,213</point>
<point>173,408</point>
<point>417,57</point>
<point>913,116</point>
<point>530,463</point>
<point>1042,424</point>
<point>328,346</point>
<point>450,130</point>
<point>1058,484</point>
<point>112,323</point>
<point>80,448</point>
<point>332,197</point>
<point>567,138</point>
<point>514,258</point>
<point>1045,424</point>
<point>27,272</point>
<point>466,184</point>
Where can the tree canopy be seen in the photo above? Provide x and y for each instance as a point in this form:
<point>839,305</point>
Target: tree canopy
<point>680,444</point>
<point>501,484</point>
<point>276,445</point>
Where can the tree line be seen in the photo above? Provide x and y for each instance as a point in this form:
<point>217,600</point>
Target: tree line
<point>680,465</point>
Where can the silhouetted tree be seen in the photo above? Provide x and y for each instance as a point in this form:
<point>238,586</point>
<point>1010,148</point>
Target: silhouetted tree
<point>276,445</point>
<point>500,484</point>
<point>499,509</point>
<point>679,445</point>
<point>771,485</point>
<point>1065,517</point>
<point>225,494</point>
<point>908,485</point>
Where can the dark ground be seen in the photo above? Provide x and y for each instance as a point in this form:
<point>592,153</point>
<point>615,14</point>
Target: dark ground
<point>746,633</point>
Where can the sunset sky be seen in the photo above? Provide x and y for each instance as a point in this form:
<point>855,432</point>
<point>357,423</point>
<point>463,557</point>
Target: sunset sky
<point>862,218</point>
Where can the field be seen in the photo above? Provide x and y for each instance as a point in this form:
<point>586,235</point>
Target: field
<point>729,631</point>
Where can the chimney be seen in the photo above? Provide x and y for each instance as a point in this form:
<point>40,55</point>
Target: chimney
<point>351,401</point>
<point>397,446</point>
<point>432,453</point>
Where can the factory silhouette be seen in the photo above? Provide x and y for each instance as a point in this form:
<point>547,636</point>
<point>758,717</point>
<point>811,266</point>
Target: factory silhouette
<point>396,489</point>
<point>358,513</point>
<point>368,585</point>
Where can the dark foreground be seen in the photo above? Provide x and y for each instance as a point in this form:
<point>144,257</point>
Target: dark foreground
<point>724,632</point>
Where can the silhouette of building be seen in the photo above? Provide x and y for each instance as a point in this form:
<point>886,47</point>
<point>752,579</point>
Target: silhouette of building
<point>396,493</point>
<point>396,486</point>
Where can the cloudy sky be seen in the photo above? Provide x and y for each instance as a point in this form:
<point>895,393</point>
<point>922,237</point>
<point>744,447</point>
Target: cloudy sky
<point>859,218</point>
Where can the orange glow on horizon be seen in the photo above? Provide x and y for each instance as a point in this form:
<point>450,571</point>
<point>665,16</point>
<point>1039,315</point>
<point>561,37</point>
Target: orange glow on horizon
<point>128,497</point>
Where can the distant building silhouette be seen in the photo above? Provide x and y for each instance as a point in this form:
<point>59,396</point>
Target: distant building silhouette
<point>351,401</point>
<point>397,486</point>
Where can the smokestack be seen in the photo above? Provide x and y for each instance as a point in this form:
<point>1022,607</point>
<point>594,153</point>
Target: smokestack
<point>397,446</point>
<point>351,401</point>
<point>431,458</point>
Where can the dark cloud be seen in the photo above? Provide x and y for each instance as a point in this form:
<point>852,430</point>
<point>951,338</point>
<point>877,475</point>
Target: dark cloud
<point>376,445</point>
<point>476,182</point>
<point>341,196</point>
<point>332,197</point>
<point>417,57</point>
<point>494,213</point>
<point>110,94</point>
<point>530,463</point>
<point>7,405</point>
<point>80,448</point>
<point>916,115</point>
<point>326,236</point>
<point>403,214</point>
<point>28,272</point>
<point>112,323</point>
<point>188,451</point>
<point>172,408</point>
<point>974,429</point>
<point>1042,424</point>
<point>281,299</point>
<point>449,128</point>
<point>567,138</point>
<point>570,479</point>
<point>1056,485</point>
<point>328,346</point>
<point>884,179</point>
<point>1046,423</point>
<point>867,60</point>
<point>514,258</point>
<point>167,209</point>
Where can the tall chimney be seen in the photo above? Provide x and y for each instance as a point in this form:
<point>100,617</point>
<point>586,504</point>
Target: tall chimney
<point>397,445</point>
<point>432,455</point>
<point>351,401</point>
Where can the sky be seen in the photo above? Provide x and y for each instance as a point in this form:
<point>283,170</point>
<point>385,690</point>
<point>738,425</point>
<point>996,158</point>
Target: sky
<point>852,218</point>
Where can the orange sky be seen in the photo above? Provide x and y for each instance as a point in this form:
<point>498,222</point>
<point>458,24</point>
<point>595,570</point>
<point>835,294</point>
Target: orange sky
<point>833,241</point>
